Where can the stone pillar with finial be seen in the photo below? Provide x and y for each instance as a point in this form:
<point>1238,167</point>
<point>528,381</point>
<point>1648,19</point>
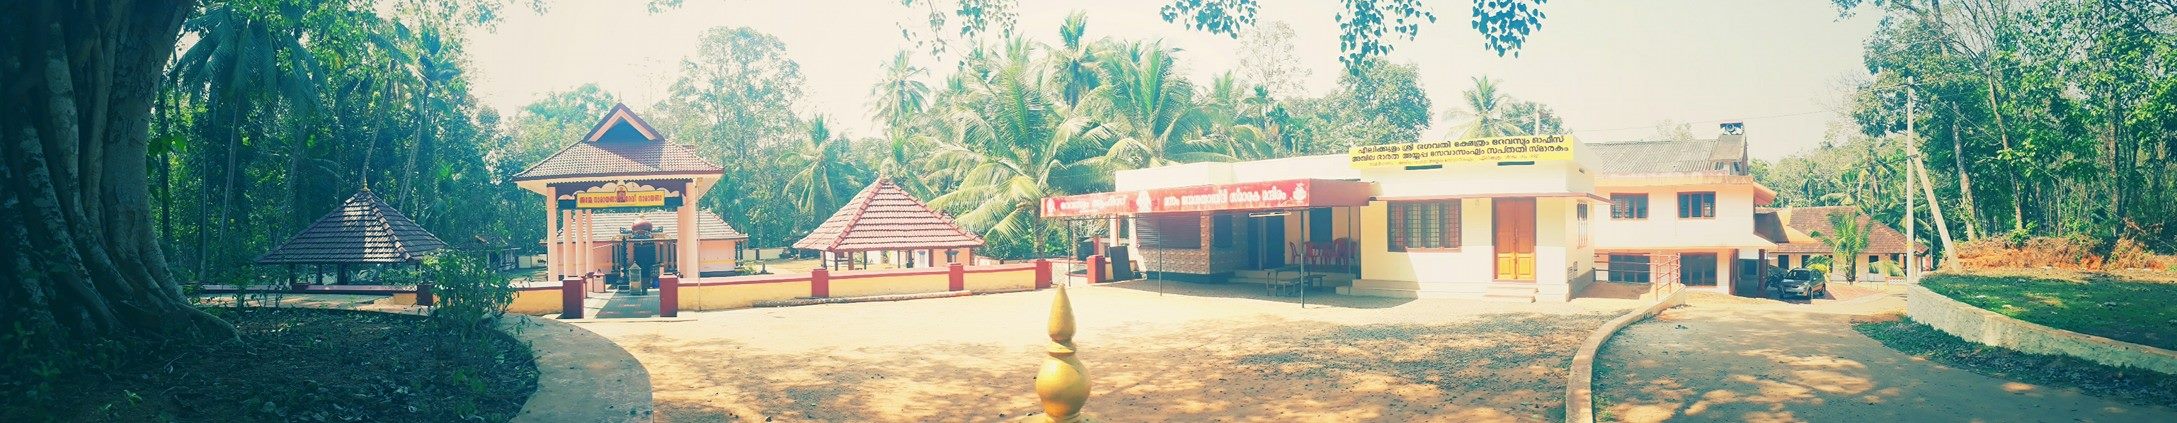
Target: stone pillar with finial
<point>1063,384</point>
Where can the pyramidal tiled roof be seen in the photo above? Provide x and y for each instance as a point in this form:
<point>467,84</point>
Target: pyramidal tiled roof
<point>884,217</point>
<point>1804,226</point>
<point>621,144</point>
<point>363,230</point>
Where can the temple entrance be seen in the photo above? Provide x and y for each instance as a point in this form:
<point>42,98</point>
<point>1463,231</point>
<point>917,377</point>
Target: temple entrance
<point>1515,236</point>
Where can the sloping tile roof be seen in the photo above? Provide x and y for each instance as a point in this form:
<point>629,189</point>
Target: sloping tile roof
<point>1803,224</point>
<point>618,146</point>
<point>884,217</point>
<point>606,226</point>
<point>1688,157</point>
<point>363,230</point>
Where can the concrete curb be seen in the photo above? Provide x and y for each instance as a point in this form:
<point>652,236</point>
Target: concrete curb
<point>581,376</point>
<point>1995,329</point>
<point>1580,385</point>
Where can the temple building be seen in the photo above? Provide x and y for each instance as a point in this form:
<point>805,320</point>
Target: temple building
<point>621,166</point>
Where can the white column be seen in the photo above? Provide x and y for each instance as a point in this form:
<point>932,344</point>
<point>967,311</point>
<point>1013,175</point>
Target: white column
<point>689,242</point>
<point>567,243</point>
<point>583,264</point>
<point>551,232</point>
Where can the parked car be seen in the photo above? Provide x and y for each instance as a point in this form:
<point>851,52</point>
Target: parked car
<point>1803,283</point>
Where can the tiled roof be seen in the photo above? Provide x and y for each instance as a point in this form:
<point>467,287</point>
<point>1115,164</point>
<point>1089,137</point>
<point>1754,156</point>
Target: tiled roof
<point>606,226</point>
<point>619,146</point>
<point>884,217</point>
<point>1688,157</point>
<point>362,230</point>
<point>1803,226</point>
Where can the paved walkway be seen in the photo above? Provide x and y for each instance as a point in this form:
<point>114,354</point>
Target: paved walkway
<point>1722,359</point>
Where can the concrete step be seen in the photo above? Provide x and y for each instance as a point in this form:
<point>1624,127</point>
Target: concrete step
<point>1490,291</point>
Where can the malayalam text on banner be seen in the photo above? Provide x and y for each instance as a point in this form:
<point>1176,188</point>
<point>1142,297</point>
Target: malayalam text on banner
<point>1499,149</point>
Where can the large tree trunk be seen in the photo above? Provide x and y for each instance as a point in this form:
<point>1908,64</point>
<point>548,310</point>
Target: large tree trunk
<point>77,80</point>
<point>1970,210</point>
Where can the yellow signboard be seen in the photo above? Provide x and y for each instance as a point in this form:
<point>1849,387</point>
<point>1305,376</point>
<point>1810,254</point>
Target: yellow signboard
<point>611,199</point>
<point>1499,149</point>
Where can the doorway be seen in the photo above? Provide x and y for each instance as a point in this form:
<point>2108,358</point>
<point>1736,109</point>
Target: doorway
<point>1514,224</point>
<point>1268,239</point>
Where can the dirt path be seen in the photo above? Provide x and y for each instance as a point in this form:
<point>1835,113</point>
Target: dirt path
<point>1199,353</point>
<point>1731,361</point>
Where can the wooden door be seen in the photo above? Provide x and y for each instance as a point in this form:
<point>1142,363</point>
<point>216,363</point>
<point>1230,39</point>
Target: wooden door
<point>1514,223</point>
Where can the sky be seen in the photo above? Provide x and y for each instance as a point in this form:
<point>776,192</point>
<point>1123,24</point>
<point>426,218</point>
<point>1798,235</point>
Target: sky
<point>1611,69</point>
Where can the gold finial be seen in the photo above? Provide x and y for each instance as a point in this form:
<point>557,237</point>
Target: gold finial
<point>1063,384</point>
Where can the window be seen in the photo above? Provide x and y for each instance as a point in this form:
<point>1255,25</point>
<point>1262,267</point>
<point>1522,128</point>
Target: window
<point>1696,205</point>
<point>1628,206</point>
<point>1873,260</point>
<point>1170,231</point>
<point>1697,269</point>
<point>1580,212</point>
<point>1627,268</point>
<point>1424,224</point>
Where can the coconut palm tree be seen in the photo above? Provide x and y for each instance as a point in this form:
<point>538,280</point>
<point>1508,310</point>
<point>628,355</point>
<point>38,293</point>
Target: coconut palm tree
<point>1150,110</point>
<point>245,65</point>
<point>1487,112</point>
<point>900,96</point>
<point>1072,61</point>
<point>825,179</point>
<point>1014,141</point>
<point>1846,240</point>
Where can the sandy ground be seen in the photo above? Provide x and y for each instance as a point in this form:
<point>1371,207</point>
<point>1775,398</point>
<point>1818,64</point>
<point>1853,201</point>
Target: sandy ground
<point>1196,353</point>
<point>1733,359</point>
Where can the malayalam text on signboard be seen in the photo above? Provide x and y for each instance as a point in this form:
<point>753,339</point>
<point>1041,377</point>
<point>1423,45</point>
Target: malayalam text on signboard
<point>1500,149</point>
<point>613,199</point>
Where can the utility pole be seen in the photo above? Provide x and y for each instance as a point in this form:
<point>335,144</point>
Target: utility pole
<point>1912,234</point>
<point>1920,170</point>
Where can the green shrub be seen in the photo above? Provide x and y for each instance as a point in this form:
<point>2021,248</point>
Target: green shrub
<point>469,294</point>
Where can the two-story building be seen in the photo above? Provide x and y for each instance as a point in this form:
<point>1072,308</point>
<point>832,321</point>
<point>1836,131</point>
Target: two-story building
<point>1692,201</point>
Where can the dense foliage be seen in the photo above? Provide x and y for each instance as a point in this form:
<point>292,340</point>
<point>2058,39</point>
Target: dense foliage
<point>2035,119</point>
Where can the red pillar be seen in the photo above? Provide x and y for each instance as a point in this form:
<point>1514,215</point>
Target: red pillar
<point>1043,273</point>
<point>570,298</point>
<point>957,276</point>
<point>1096,268</point>
<point>819,283</point>
<point>669,296</point>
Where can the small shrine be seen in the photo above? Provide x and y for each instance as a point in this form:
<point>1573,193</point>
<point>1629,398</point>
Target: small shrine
<point>883,218</point>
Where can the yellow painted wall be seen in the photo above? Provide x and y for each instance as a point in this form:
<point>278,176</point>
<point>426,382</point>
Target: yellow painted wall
<point>721,297</point>
<point>889,284</point>
<point>536,301</point>
<point>1001,280</point>
<point>1473,262</point>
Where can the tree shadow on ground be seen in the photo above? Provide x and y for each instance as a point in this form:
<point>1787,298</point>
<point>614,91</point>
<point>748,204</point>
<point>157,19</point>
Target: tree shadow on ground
<point>1499,367</point>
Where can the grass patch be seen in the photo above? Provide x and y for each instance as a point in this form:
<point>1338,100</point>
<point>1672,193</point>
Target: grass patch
<point>2136,307</point>
<point>303,365</point>
<point>2133,385</point>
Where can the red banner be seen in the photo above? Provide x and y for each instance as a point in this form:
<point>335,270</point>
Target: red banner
<point>1286,194</point>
